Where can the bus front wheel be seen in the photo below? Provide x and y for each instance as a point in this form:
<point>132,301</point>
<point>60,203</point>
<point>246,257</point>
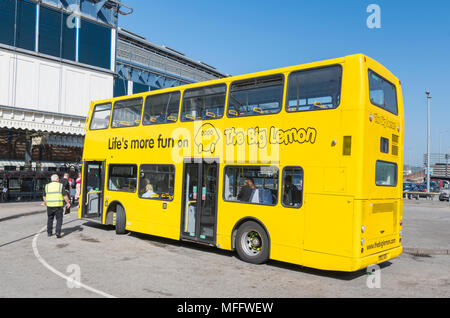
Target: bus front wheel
<point>121,220</point>
<point>252,243</point>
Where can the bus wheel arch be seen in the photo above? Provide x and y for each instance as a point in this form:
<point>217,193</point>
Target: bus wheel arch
<point>251,226</point>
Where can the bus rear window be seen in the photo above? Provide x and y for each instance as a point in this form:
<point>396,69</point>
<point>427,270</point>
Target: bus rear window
<point>382,93</point>
<point>386,174</point>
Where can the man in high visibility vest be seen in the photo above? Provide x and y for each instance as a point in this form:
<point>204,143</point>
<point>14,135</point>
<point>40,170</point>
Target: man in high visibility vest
<point>54,197</point>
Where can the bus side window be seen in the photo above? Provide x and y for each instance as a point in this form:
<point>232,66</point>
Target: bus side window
<point>161,108</point>
<point>382,93</point>
<point>122,178</point>
<point>156,181</point>
<point>257,96</point>
<point>314,89</point>
<point>204,103</point>
<point>251,184</point>
<point>100,117</point>
<point>292,195</point>
<point>127,113</point>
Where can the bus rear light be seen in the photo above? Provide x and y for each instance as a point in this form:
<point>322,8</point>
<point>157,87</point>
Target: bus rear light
<point>362,241</point>
<point>401,222</point>
<point>401,233</point>
<point>363,229</point>
<point>362,250</point>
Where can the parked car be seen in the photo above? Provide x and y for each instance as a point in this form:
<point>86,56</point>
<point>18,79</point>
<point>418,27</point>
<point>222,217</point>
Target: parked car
<point>422,188</point>
<point>410,187</point>
<point>445,193</point>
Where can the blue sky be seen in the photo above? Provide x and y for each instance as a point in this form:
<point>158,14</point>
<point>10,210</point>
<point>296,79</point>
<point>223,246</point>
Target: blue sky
<point>243,36</point>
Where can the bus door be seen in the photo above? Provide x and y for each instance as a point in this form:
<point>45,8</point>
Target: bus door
<point>199,208</point>
<point>94,179</point>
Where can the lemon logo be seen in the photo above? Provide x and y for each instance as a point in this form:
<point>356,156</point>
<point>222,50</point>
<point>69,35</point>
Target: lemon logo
<point>207,138</point>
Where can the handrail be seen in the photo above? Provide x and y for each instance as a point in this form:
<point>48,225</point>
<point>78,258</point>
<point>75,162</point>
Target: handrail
<point>120,4</point>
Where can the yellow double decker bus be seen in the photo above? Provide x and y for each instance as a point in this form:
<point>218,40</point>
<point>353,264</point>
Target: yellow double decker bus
<point>298,164</point>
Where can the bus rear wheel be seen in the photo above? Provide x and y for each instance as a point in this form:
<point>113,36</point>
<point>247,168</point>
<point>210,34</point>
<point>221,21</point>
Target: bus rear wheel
<point>252,243</point>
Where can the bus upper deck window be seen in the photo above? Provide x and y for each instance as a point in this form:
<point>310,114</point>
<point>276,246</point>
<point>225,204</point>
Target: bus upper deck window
<point>314,89</point>
<point>382,93</point>
<point>100,117</point>
<point>258,96</point>
<point>127,113</point>
<point>204,103</point>
<point>161,108</point>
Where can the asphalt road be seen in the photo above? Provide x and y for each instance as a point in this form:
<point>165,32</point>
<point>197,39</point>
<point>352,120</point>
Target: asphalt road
<point>136,265</point>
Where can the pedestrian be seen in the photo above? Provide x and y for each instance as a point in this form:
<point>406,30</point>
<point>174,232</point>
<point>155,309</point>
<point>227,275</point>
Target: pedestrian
<point>5,193</point>
<point>54,197</point>
<point>78,188</point>
<point>66,181</point>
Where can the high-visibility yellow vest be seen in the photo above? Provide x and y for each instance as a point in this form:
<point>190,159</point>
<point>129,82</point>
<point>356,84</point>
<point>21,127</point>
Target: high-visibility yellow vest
<point>53,194</point>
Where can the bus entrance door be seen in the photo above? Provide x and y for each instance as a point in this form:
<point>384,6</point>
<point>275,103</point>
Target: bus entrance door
<point>199,208</point>
<point>93,189</point>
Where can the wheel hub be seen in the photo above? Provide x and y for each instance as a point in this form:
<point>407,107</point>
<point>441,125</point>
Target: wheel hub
<point>256,243</point>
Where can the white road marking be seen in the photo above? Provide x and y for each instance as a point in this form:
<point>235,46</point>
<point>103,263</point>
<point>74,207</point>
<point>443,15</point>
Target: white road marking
<point>67,278</point>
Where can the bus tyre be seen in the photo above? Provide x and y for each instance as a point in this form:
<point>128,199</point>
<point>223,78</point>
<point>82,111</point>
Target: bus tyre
<point>252,243</point>
<point>121,220</point>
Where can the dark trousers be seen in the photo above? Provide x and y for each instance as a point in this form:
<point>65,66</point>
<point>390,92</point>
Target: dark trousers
<point>53,212</point>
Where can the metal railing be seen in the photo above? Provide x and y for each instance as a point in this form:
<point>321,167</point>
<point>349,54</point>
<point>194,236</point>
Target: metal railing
<point>148,59</point>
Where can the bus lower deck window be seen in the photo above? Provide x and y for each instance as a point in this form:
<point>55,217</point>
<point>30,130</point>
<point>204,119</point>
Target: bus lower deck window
<point>156,181</point>
<point>251,184</point>
<point>122,178</point>
<point>292,187</point>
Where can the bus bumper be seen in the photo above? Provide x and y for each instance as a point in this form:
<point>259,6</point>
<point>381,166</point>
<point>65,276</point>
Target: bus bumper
<point>377,258</point>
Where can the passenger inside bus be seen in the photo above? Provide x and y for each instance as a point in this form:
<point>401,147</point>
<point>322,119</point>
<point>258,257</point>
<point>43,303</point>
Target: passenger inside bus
<point>292,195</point>
<point>148,191</point>
<point>247,190</point>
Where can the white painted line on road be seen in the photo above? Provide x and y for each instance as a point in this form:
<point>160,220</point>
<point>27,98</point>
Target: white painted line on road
<point>69,279</point>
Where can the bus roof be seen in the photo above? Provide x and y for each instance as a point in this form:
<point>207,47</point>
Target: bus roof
<point>339,60</point>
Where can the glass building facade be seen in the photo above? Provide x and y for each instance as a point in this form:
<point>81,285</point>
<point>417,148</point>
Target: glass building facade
<point>53,28</point>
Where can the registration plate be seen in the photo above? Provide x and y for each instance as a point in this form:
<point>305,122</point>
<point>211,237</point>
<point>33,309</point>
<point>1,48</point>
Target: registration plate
<point>382,257</point>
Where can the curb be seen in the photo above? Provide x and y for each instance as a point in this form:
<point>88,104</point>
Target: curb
<point>425,251</point>
<point>21,215</point>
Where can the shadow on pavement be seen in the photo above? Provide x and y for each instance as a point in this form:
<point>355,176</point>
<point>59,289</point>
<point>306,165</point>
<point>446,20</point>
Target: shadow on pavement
<point>70,230</point>
<point>167,243</point>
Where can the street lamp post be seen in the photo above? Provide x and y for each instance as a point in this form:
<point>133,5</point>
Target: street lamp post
<point>441,132</point>
<point>428,140</point>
